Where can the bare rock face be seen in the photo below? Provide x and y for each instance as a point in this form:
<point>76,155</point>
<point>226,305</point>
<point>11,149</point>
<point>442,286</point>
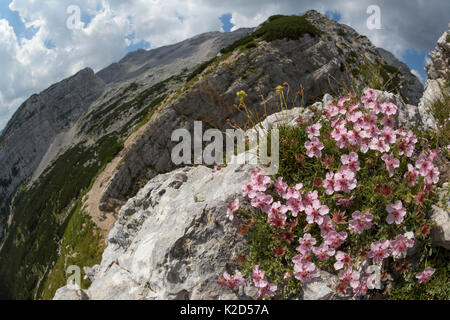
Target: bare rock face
<point>440,215</point>
<point>439,65</point>
<point>38,121</point>
<point>185,54</point>
<point>169,241</point>
<point>438,72</point>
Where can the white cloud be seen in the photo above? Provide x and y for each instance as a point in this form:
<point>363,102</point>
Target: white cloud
<point>417,74</point>
<point>30,66</point>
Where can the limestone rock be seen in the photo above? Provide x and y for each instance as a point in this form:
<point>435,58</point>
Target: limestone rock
<point>438,73</point>
<point>321,288</point>
<point>440,215</point>
<point>70,293</point>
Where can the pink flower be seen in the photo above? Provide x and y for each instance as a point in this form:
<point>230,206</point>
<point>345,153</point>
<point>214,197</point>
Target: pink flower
<point>295,205</point>
<point>323,252</point>
<point>305,271</point>
<point>326,226</point>
<point>268,290</point>
<point>258,277</point>
<point>265,288</point>
<point>315,212</point>
<point>314,130</point>
<point>335,239</point>
<point>424,165</point>
<point>379,250</point>
<point>262,201</point>
<point>344,180</point>
<point>287,275</point>
<point>389,108</point>
<point>342,138</point>
<point>362,288</point>
<point>314,148</point>
<point>229,281</point>
<point>310,197</point>
<point>370,95</point>
<point>350,162</point>
<point>425,275</point>
<point>388,121</point>
<point>379,145</point>
<point>306,243</point>
<point>388,135</point>
<point>232,207</point>
<point>391,163</point>
<point>411,175</point>
<point>328,183</point>
<point>396,212</point>
<point>260,182</point>
<point>277,215</point>
<point>292,192</point>
<point>332,111</point>
<point>355,117</point>
<point>432,175</point>
<point>350,277</point>
<point>400,246</point>
<point>342,260</point>
<point>249,191</point>
<point>360,222</point>
<point>281,187</point>
<point>406,143</point>
<point>302,257</point>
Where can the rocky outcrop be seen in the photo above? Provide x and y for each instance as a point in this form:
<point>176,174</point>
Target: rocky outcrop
<point>70,293</point>
<point>440,215</point>
<point>438,72</point>
<point>169,240</point>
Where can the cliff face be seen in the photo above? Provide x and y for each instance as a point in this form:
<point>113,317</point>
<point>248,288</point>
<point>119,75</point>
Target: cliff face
<point>438,72</point>
<point>35,125</point>
<point>100,137</point>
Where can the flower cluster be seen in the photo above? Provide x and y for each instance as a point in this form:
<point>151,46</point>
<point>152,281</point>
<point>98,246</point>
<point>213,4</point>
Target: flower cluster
<point>231,281</point>
<point>265,288</point>
<point>314,212</point>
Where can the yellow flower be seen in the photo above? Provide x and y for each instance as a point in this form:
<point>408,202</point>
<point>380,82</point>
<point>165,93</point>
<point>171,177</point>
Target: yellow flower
<point>279,89</point>
<point>241,94</point>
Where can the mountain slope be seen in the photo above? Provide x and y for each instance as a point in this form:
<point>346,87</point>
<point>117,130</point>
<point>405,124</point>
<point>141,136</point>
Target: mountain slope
<point>80,126</point>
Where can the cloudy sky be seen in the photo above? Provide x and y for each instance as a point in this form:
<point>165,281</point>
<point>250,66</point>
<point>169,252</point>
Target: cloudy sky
<point>42,42</point>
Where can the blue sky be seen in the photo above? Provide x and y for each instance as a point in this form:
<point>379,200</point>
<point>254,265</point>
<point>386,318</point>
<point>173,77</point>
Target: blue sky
<point>38,49</point>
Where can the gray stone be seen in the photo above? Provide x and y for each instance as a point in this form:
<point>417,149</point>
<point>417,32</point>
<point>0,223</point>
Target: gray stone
<point>440,234</point>
<point>70,293</point>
